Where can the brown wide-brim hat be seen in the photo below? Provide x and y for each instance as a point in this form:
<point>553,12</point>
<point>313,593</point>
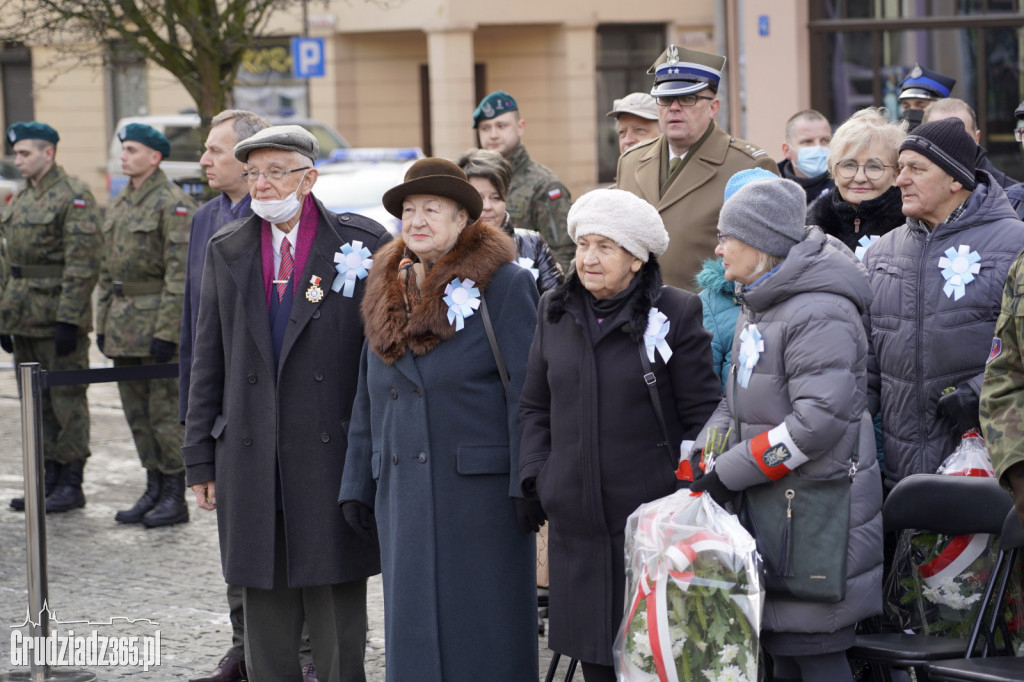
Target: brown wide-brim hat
<point>438,177</point>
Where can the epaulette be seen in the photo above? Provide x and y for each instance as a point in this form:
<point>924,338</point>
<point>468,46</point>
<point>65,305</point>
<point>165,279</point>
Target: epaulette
<point>750,150</point>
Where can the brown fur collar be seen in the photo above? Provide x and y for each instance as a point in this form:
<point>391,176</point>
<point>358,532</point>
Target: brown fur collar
<point>478,253</point>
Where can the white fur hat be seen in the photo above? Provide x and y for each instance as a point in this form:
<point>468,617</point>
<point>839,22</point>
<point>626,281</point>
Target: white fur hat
<point>621,216</point>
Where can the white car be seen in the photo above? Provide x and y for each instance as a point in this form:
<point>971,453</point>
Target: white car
<point>355,179</point>
<point>182,131</point>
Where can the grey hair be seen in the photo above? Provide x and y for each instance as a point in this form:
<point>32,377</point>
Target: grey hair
<point>246,123</point>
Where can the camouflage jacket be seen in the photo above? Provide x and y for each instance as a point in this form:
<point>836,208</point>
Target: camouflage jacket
<point>142,276</point>
<point>50,256</point>
<point>1002,393</point>
<point>537,200</point>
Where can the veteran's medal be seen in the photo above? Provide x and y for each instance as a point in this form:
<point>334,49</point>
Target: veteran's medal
<point>314,294</point>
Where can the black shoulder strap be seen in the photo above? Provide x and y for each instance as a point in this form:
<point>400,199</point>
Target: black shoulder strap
<point>498,360</point>
<point>651,380</point>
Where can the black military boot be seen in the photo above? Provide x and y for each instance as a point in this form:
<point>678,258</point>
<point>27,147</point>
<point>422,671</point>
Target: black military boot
<point>144,503</point>
<point>49,483</point>
<point>68,494</point>
<point>171,507</point>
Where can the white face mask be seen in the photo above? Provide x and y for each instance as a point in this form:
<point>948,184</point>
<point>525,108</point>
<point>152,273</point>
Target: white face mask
<point>277,211</point>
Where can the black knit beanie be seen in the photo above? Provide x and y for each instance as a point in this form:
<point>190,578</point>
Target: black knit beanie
<point>947,143</point>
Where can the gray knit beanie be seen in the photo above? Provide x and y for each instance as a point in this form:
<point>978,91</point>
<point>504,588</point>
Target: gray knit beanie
<point>621,216</point>
<point>946,143</point>
<point>766,214</point>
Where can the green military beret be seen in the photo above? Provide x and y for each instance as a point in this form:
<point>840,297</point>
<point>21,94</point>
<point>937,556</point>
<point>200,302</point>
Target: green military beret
<point>147,135</point>
<point>31,130</point>
<point>495,104</point>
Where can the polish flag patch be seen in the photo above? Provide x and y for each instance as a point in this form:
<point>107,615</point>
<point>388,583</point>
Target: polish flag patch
<point>554,194</point>
<point>180,210</point>
<point>79,203</point>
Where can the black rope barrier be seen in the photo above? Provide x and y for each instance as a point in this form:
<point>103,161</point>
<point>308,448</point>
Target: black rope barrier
<point>71,377</point>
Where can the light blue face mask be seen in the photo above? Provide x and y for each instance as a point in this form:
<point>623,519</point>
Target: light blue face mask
<point>812,161</point>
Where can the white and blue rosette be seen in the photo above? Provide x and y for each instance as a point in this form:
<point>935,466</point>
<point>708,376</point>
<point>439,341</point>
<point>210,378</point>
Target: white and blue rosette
<point>751,345</point>
<point>959,266</point>
<point>654,337</point>
<point>353,263</point>
<point>462,298</point>
<point>863,244</point>
<point>528,264</point>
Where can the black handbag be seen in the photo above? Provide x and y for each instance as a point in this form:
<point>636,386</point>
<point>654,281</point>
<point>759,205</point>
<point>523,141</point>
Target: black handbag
<point>802,529</point>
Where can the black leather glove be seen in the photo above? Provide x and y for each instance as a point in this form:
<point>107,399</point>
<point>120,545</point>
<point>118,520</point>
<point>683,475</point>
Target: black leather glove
<point>530,514</point>
<point>7,343</point>
<point>960,409</point>
<point>360,517</point>
<point>65,338</point>
<point>713,485</point>
<point>162,351</point>
<point>99,341</point>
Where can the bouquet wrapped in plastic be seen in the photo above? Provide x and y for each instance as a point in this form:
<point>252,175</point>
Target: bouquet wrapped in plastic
<point>693,594</point>
<point>938,581</point>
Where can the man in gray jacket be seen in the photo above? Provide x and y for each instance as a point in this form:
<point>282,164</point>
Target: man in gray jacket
<point>937,282</point>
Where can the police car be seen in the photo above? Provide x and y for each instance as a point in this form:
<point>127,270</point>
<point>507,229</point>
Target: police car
<point>354,180</point>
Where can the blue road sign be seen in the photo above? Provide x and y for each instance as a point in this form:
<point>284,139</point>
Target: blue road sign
<point>308,58</point>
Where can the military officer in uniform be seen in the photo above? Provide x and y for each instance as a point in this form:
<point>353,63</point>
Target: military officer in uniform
<point>50,261</point>
<point>138,317</point>
<point>920,88</point>
<point>537,199</point>
<point>683,172</point>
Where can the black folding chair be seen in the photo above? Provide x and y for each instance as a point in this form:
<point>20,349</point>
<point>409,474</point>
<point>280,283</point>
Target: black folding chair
<point>994,663</point>
<point>950,505</point>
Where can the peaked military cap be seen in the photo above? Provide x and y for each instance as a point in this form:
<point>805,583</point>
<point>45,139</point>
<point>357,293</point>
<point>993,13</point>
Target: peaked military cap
<point>679,71</point>
<point>31,130</point>
<point>922,83</point>
<point>495,104</point>
<point>1019,111</point>
<point>147,135</point>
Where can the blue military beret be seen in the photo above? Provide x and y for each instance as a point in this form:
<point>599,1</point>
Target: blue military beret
<point>147,135</point>
<point>495,104</point>
<point>922,83</point>
<point>31,130</point>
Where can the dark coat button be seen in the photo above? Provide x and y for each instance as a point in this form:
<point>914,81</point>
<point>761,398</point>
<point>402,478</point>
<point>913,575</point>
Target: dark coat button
<point>318,375</point>
<point>251,378</point>
<point>325,438</point>
<point>422,457</point>
<point>247,441</point>
<point>394,458</point>
<point>316,314</point>
<point>394,393</point>
<point>418,391</point>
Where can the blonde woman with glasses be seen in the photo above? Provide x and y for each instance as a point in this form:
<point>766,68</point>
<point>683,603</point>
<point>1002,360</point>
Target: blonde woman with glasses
<point>865,203</point>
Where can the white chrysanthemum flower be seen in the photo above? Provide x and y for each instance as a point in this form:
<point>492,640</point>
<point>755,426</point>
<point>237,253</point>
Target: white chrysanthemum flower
<point>728,653</point>
<point>732,673</point>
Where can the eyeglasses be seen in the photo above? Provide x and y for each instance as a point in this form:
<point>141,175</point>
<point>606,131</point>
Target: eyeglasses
<point>722,237</point>
<point>272,175</point>
<point>1018,134</point>
<point>684,100</point>
<point>874,170</point>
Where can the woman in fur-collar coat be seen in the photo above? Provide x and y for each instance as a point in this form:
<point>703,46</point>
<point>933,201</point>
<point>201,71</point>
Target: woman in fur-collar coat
<point>434,444</point>
<point>593,447</point>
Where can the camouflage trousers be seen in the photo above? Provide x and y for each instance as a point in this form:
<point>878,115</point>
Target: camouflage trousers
<point>151,408</point>
<point>65,417</point>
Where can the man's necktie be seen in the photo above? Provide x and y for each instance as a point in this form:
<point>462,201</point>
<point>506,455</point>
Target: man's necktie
<point>674,163</point>
<point>285,273</point>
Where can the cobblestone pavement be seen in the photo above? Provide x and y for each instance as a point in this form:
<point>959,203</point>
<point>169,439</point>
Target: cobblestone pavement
<point>99,570</point>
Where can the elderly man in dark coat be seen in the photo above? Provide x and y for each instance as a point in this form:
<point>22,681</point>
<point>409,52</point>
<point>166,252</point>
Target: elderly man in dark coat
<point>273,380</point>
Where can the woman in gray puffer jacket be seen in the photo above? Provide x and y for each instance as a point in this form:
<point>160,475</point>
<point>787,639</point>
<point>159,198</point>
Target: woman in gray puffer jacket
<point>799,401</point>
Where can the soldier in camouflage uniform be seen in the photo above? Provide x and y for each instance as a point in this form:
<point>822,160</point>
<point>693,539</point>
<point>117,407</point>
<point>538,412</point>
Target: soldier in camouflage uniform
<point>50,259</point>
<point>1001,406</point>
<point>138,316</point>
<point>537,199</point>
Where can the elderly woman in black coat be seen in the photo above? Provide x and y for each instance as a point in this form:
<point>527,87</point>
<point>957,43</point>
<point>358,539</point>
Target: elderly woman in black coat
<point>619,374</point>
